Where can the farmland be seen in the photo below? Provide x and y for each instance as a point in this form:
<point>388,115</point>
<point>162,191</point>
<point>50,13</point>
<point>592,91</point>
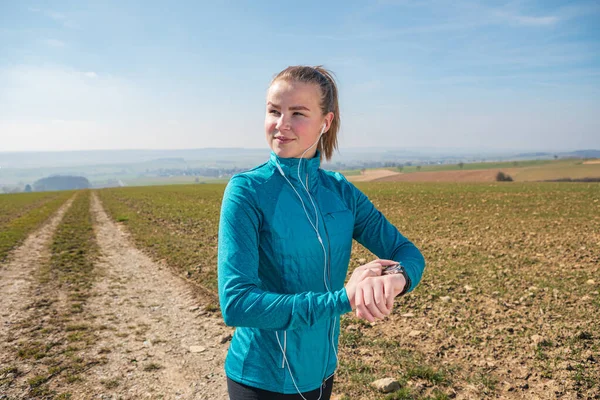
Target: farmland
<point>22,213</point>
<point>509,305</point>
<point>507,286</point>
<point>520,171</point>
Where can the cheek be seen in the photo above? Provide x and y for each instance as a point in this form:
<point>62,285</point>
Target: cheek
<point>302,127</point>
<point>270,124</point>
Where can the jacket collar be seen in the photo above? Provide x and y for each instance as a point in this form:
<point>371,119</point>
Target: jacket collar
<point>289,166</point>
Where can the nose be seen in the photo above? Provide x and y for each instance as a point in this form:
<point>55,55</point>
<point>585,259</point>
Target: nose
<point>283,123</point>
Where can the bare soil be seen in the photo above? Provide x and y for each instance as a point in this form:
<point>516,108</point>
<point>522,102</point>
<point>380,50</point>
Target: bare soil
<point>373,174</point>
<point>17,276</point>
<point>153,319</point>
<point>476,175</point>
<point>152,338</point>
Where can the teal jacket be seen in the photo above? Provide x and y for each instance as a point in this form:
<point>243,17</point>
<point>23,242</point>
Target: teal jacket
<point>271,269</point>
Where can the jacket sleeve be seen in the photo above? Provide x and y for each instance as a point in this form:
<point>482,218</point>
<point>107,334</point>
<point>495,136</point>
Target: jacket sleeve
<point>242,302</point>
<point>382,238</point>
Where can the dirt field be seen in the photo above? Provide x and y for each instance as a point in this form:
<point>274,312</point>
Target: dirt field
<point>573,169</point>
<point>144,331</point>
<point>508,308</point>
<point>372,175</point>
<point>481,175</point>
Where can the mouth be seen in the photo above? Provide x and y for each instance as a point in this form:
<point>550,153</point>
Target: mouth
<point>282,139</point>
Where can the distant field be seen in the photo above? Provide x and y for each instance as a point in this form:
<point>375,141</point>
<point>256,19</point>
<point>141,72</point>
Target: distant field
<point>509,305</point>
<point>373,175</point>
<point>170,180</point>
<point>480,165</point>
<point>521,171</point>
<point>573,170</point>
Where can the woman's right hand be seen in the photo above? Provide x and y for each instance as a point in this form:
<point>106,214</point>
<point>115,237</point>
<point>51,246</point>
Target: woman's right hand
<point>363,272</point>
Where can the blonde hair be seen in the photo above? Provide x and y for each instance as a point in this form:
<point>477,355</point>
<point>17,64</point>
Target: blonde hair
<point>329,100</point>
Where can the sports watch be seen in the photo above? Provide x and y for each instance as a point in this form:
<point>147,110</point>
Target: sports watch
<point>398,269</point>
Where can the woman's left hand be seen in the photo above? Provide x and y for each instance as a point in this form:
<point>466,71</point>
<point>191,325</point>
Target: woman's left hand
<point>374,297</point>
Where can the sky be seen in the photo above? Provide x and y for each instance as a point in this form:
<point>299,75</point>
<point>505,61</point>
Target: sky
<point>193,74</point>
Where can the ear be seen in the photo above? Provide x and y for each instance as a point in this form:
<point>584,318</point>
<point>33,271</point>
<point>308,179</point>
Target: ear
<point>327,123</point>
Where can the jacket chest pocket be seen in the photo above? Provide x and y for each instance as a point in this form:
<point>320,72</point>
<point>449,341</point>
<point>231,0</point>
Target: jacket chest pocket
<point>339,223</point>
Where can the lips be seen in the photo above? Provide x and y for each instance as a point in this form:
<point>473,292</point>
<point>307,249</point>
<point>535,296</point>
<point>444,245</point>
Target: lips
<point>282,139</point>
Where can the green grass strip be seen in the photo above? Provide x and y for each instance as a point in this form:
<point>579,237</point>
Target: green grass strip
<point>74,246</point>
<point>62,338</point>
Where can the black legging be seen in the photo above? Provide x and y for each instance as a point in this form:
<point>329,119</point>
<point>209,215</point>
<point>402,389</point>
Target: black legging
<point>239,391</point>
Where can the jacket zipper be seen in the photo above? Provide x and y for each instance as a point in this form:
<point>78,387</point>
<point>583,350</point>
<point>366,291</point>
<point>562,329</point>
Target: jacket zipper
<point>328,271</point>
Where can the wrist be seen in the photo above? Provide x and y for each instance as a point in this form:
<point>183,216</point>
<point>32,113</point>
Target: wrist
<point>350,295</point>
<point>401,285</point>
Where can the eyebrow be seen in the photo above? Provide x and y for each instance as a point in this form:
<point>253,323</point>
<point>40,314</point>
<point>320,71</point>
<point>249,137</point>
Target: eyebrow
<point>292,108</point>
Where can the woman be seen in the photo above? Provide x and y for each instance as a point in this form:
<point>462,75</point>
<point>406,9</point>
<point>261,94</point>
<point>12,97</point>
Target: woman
<point>285,238</point>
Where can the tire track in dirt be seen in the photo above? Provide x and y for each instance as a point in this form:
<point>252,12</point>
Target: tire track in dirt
<point>17,276</point>
<point>156,341</point>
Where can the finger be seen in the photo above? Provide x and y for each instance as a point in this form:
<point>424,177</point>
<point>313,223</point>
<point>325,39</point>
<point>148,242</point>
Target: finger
<point>358,298</point>
<point>375,269</point>
<point>365,314</point>
<point>362,309</point>
<point>366,274</point>
<point>369,301</point>
<point>359,314</point>
<point>379,297</point>
<point>372,264</point>
<point>385,262</point>
<point>367,266</point>
<point>388,290</point>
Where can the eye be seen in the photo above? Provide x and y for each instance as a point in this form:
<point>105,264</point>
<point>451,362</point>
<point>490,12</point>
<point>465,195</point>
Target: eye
<point>274,112</point>
<point>299,113</point>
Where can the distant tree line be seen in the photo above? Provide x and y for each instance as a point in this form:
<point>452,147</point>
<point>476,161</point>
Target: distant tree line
<point>59,182</point>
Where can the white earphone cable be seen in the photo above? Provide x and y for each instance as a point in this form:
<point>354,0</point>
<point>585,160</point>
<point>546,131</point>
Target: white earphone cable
<point>315,228</point>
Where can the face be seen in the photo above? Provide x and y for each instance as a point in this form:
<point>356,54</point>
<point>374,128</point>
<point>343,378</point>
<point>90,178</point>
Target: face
<point>293,119</point>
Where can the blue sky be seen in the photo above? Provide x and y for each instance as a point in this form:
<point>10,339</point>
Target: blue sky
<point>445,74</point>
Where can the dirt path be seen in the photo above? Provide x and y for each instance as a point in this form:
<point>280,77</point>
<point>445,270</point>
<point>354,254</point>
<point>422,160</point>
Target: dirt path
<point>17,276</point>
<point>156,340</point>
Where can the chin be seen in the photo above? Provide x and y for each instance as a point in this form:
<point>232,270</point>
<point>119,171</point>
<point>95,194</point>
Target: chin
<point>283,152</point>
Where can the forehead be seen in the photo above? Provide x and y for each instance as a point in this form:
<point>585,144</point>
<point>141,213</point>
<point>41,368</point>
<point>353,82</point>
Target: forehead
<point>298,93</point>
